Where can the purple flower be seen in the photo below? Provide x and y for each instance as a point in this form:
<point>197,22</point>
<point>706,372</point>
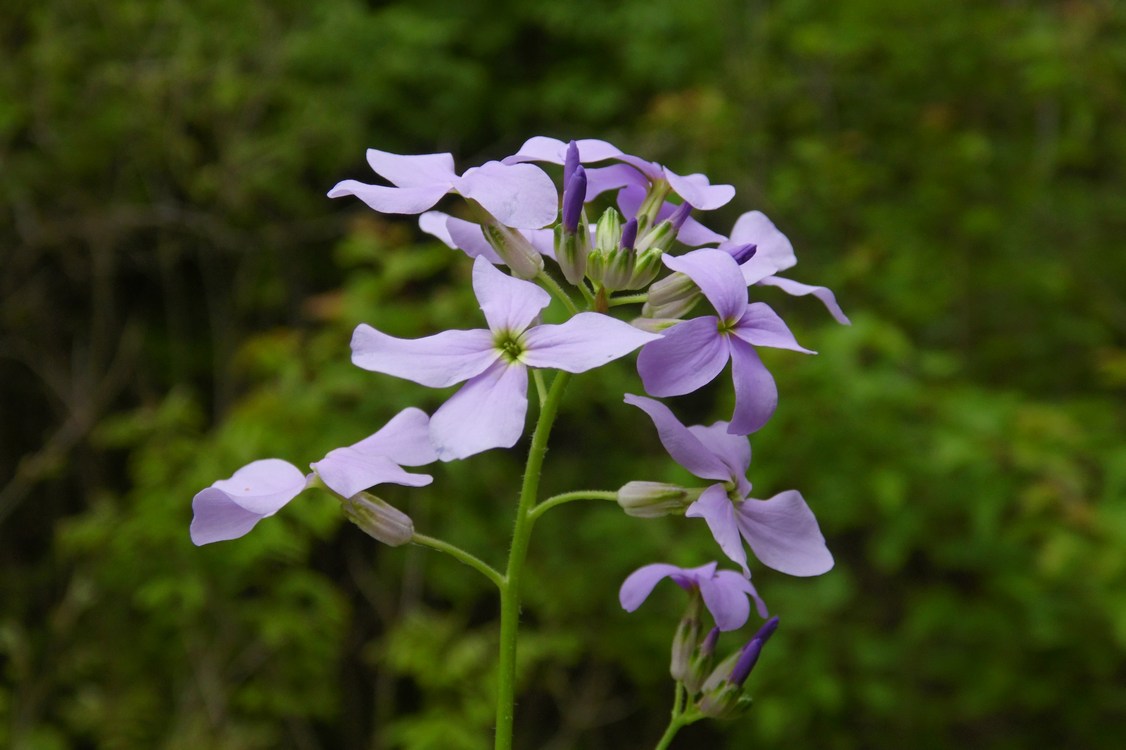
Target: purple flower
<point>691,354</point>
<point>403,441</point>
<point>488,411</point>
<point>724,592</point>
<point>781,531</point>
<point>231,507</point>
<point>518,195</point>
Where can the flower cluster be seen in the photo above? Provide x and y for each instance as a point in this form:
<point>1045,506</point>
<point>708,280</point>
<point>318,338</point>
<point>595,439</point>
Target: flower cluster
<point>644,249</point>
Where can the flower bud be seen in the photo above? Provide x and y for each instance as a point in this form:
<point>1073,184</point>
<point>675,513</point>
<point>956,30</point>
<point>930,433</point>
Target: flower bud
<point>723,695</point>
<point>655,499</point>
<point>570,162</point>
<point>653,203</point>
<point>702,663</point>
<point>743,253</point>
<point>671,297</point>
<point>726,701</point>
<point>572,242</point>
<point>378,519</point>
<point>686,639</point>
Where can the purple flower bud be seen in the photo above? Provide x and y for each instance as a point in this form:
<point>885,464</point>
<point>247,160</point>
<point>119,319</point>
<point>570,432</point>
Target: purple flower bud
<point>574,195</point>
<point>680,215</point>
<point>570,162</point>
<point>748,657</point>
<point>707,648</point>
<point>743,253</point>
<point>629,234</point>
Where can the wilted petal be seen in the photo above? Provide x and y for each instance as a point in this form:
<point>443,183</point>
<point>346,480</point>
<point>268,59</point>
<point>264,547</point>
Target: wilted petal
<point>348,471</point>
<point>392,200</point>
<point>717,275</point>
<point>414,170</point>
<point>230,508</point>
<point>733,450</point>
<point>681,442</point>
<point>754,227</point>
<point>509,304</point>
<point>797,289</point>
<point>688,357</point>
<point>521,196</point>
<point>784,535</point>
<point>756,394</point>
<point>761,326</point>
<point>437,361</point>
<point>697,190</point>
<point>639,584</point>
<point>717,510</point>
<point>584,342</point>
<point>488,412</point>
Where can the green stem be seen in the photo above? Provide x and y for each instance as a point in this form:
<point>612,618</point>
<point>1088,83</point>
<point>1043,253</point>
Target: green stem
<point>553,286</point>
<point>521,536</point>
<point>570,497</point>
<point>675,726</point>
<point>462,556</point>
<point>629,299</point>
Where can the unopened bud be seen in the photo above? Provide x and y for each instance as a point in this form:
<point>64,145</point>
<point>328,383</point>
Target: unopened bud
<point>748,657</point>
<point>671,297</point>
<point>724,702</point>
<point>702,662</point>
<point>686,639</point>
<point>572,242</point>
<point>655,499</point>
<point>378,519</point>
<point>653,203</point>
<point>743,253</point>
<point>570,162</point>
<point>574,196</point>
<point>629,234</point>
<point>514,249</point>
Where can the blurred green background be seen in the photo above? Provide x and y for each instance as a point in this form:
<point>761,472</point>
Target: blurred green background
<point>177,296</point>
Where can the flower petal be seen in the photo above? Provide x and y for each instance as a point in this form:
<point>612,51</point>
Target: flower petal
<point>639,584</point>
<point>553,150</point>
<point>521,196</point>
<point>761,326</point>
<point>584,342</point>
<point>459,234</point>
<point>602,179</point>
<point>737,581</point>
<point>717,275</point>
<point>733,450</point>
<point>681,442</point>
<point>717,510</point>
<point>230,508</point>
<point>783,533</point>
<point>753,226</point>
<point>510,305</point>
<point>405,439</point>
<point>697,190</point>
<point>391,200</point>
<point>688,357</point>
<point>728,604</point>
<point>488,412</point>
<point>692,232</point>
<point>437,361</point>
<point>349,471</point>
<point>756,395</point>
<point>798,289</point>
<point>408,171</point>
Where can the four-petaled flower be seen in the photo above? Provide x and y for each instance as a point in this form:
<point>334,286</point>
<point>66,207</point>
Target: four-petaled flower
<point>781,531</point>
<point>488,411</point>
<point>724,592</point>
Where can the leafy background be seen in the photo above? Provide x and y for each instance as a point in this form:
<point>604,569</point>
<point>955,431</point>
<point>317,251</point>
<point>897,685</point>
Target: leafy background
<point>176,298</point>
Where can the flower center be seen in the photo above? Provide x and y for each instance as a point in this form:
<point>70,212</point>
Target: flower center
<point>510,345</point>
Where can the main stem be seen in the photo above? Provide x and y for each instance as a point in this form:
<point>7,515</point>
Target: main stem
<point>521,535</point>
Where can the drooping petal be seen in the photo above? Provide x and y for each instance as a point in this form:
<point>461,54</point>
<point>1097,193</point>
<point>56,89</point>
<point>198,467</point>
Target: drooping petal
<point>520,196</point>
<point>756,394</point>
<point>459,234</point>
<point>681,442</point>
<point>488,412</point>
<point>783,533</point>
<point>509,304</point>
<point>717,510</point>
<point>698,190</point>
<point>717,275</point>
<point>405,439</point>
<point>348,471</point>
<point>640,583</point>
<point>728,604</point>
<point>761,326</point>
<point>437,361</point>
<point>753,226</point>
<point>692,232</point>
<point>798,289</point>
<point>733,450</point>
<point>230,508</point>
<point>688,357</point>
<point>584,342</point>
<point>418,170</point>
<point>737,581</point>
<point>392,200</point>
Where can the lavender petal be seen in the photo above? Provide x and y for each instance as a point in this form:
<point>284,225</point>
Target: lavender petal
<point>682,443</point>
<point>436,361</point>
<point>689,356</point>
<point>784,535</point>
<point>488,412</point>
<point>584,342</point>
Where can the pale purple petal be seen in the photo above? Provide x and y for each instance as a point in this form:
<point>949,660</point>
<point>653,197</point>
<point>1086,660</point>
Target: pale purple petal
<point>521,196</point>
<point>753,226</point>
<point>639,584</point>
<point>348,471</point>
<point>798,289</point>
<point>692,232</point>
<point>755,269</point>
<point>488,412</point>
<point>687,358</point>
<point>510,304</point>
<point>682,443</point>
<point>392,200</point>
<point>405,439</point>
<point>584,342</point>
<point>728,604</point>
<point>698,190</point>
<point>737,581</point>
<point>717,510</point>
<point>733,450</point>
<point>601,179</point>
<point>756,394</point>
<point>434,223</point>
<point>553,150</point>
<point>761,326</point>
<point>651,169</point>
<point>717,275</point>
<point>419,170</point>
<point>784,535</point>
<point>230,508</point>
<point>690,578</point>
<point>543,240</point>
<point>436,361</point>
<point>459,234</point>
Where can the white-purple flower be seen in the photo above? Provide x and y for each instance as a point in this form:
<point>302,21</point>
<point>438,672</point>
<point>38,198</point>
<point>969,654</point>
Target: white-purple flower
<point>517,195</point>
<point>488,411</point>
<point>230,508</point>
<point>724,592</point>
<point>692,353</point>
<point>782,531</point>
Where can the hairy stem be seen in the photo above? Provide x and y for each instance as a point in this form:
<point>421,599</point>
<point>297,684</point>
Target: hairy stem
<point>462,556</point>
<point>570,497</point>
